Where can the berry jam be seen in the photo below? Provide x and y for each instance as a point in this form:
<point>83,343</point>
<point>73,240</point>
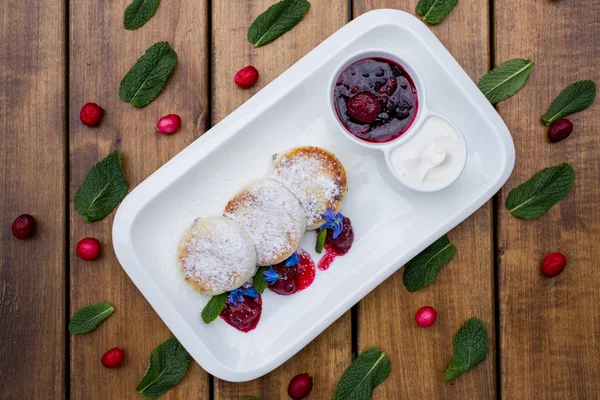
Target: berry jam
<point>243,316</point>
<point>295,278</point>
<point>375,99</point>
<point>338,246</point>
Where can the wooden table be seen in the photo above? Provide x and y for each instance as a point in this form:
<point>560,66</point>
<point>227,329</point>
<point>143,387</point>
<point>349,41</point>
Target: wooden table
<point>57,55</point>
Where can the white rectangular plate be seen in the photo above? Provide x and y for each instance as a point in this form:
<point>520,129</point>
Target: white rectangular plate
<point>392,223</point>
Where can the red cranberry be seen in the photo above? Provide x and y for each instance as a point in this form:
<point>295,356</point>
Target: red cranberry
<point>23,226</point>
<point>246,77</point>
<point>425,316</point>
<point>300,386</point>
<point>553,264</point>
<point>90,114</point>
<point>113,358</point>
<point>343,242</point>
<point>88,249</point>
<point>559,130</point>
<point>286,284</point>
<point>363,107</point>
<point>169,124</point>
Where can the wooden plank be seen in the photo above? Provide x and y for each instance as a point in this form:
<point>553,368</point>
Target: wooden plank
<point>550,328</point>
<point>32,181</point>
<point>101,52</point>
<point>464,288</point>
<point>327,356</point>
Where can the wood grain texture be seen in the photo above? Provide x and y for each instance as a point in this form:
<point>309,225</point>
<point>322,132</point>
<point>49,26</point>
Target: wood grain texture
<point>32,181</point>
<point>328,356</point>
<point>101,52</point>
<point>464,288</point>
<point>550,328</point>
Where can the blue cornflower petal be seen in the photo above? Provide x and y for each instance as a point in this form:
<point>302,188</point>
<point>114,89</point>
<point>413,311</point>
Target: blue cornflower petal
<point>330,214</point>
<point>333,222</point>
<point>292,260</point>
<point>271,276</point>
<point>236,295</point>
<point>250,292</point>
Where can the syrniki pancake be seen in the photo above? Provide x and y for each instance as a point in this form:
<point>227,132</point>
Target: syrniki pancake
<point>273,218</point>
<point>316,177</point>
<point>216,255</point>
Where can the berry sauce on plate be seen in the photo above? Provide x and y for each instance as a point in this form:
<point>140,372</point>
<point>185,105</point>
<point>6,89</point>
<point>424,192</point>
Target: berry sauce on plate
<point>244,315</point>
<point>294,278</point>
<point>375,99</point>
<point>338,246</point>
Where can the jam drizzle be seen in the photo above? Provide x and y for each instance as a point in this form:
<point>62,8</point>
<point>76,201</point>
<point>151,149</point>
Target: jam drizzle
<point>295,278</point>
<point>338,246</point>
<point>244,315</point>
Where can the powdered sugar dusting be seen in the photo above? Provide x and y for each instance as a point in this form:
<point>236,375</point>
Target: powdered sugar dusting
<point>272,217</point>
<point>315,177</point>
<point>216,255</point>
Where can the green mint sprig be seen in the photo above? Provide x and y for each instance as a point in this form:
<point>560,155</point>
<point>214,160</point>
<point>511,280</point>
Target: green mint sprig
<point>258,282</point>
<point>535,197</point>
<point>168,364</point>
<point>321,241</point>
<point>434,11</point>
<point>213,308</point>
<point>277,20</point>
<point>421,270</point>
<point>103,188</point>
<point>139,12</point>
<point>90,317</point>
<point>470,348</point>
<point>146,79</point>
<point>505,80</point>
<point>365,373</point>
<point>576,97</point>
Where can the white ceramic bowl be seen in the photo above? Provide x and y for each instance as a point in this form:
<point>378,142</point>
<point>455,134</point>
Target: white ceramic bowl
<point>423,113</point>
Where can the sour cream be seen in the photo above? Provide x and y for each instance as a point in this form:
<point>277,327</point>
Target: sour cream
<point>433,158</point>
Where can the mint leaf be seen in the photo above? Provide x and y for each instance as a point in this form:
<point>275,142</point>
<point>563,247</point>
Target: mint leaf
<point>421,270</point>
<point>577,97</point>
<point>89,317</point>
<point>258,282</point>
<point>434,11</point>
<point>536,196</point>
<point>276,21</point>
<point>213,308</point>
<point>470,348</point>
<point>505,80</point>
<point>148,76</point>
<point>365,373</point>
<point>321,241</point>
<point>102,189</point>
<point>139,12</point>
<point>168,364</point>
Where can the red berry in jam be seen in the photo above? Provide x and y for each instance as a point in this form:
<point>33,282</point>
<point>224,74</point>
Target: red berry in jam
<point>90,114</point>
<point>363,108</point>
<point>553,264</point>
<point>343,242</point>
<point>286,284</point>
<point>23,227</point>
<point>425,316</point>
<point>246,77</point>
<point>88,249</point>
<point>244,315</point>
<point>559,130</point>
<point>300,386</point>
<point>169,124</point>
<point>113,358</point>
